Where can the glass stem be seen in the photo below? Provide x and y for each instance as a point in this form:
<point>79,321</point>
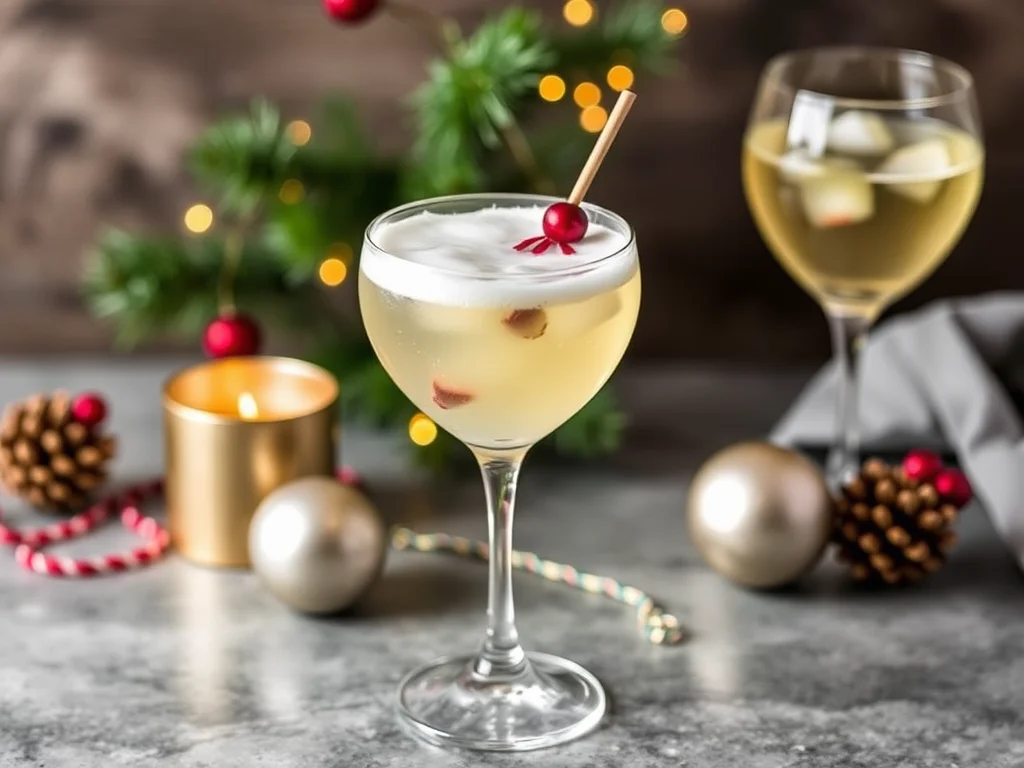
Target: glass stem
<point>501,655</point>
<point>849,332</point>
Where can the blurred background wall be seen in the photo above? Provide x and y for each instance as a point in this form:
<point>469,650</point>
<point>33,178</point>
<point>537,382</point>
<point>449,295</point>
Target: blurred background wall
<point>99,100</point>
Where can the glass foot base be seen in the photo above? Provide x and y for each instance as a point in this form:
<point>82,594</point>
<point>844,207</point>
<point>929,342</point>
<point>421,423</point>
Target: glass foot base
<point>550,702</point>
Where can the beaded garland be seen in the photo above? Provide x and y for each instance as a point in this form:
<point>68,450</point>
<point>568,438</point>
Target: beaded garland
<point>657,626</point>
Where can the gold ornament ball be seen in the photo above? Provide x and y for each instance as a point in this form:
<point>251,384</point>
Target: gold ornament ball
<point>317,544</point>
<point>759,514</point>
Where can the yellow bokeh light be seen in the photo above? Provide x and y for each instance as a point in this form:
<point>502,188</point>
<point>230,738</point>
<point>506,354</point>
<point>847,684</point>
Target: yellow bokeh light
<point>340,251</point>
<point>292,192</point>
<point>333,272</point>
<point>198,218</point>
<point>674,21</point>
<point>300,132</point>
<point>422,430</point>
<point>586,95</point>
<point>579,13</point>
<point>620,77</point>
<point>551,88</point>
<point>593,119</point>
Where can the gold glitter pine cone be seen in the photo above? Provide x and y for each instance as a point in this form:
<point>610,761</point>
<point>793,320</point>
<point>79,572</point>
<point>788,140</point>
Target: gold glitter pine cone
<point>47,457</point>
<point>891,528</point>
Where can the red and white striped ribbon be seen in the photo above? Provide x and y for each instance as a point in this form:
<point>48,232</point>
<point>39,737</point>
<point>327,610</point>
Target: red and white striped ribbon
<point>29,541</point>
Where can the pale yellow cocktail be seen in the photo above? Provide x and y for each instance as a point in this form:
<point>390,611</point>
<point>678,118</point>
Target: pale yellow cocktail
<point>498,347</point>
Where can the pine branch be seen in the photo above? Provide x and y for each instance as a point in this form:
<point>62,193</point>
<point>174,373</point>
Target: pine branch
<point>346,186</point>
<point>562,148</point>
<point>244,160</point>
<point>631,33</point>
<point>470,100</point>
<point>339,131</point>
<point>147,287</point>
<point>595,430</point>
<point>338,207</point>
<point>470,116</point>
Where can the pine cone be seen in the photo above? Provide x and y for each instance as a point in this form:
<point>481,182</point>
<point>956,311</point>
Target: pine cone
<point>49,458</point>
<point>890,527</point>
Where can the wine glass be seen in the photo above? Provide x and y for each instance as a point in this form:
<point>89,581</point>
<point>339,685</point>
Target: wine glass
<point>499,348</point>
<point>862,167</point>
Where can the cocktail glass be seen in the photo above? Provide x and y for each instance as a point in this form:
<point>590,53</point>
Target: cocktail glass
<point>499,360</point>
<point>862,167</point>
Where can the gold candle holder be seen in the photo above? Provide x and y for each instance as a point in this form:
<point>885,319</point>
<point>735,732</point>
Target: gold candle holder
<point>234,430</point>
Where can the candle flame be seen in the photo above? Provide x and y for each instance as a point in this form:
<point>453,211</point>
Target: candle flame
<point>247,407</point>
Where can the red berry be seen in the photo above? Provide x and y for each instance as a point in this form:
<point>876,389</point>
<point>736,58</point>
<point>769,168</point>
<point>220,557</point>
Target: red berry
<point>232,336</point>
<point>565,223</point>
<point>527,323</point>
<point>89,409</point>
<point>446,397</point>
<point>922,465</point>
<point>348,476</point>
<point>954,487</point>
<point>349,11</point>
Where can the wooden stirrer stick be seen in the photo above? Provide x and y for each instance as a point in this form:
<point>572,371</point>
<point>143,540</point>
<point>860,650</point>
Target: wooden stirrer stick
<point>604,143</point>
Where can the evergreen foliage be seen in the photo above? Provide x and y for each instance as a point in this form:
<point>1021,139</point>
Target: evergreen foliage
<point>471,116</point>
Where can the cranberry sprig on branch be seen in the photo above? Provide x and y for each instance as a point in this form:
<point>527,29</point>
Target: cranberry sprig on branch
<point>350,11</point>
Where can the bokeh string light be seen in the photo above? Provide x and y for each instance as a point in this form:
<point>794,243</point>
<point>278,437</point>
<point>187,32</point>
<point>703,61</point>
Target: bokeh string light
<point>299,132</point>
<point>292,192</point>
<point>592,119</point>
<point>198,218</point>
<point>334,268</point>
<point>422,430</point>
<point>551,88</point>
<point>674,21</point>
<point>620,77</point>
<point>333,271</point>
<point>586,94</point>
<point>579,13</point>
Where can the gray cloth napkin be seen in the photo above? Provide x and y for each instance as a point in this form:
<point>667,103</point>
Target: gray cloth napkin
<point>928,379</point>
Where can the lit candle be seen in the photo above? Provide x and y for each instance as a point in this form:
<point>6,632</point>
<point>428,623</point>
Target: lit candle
<point>247,407</point>
<point>235,430</point>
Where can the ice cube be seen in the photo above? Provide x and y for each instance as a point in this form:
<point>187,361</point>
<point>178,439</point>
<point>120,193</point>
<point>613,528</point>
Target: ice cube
<point>483,364</point>
<point>797,164</point>
<point>572,320</point>
<point>928,159</point>
<point>440,318</point>
<point>840,196</point>
<point>863,134</point>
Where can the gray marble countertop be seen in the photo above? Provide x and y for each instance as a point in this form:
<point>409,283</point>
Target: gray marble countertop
<point>181,666</point>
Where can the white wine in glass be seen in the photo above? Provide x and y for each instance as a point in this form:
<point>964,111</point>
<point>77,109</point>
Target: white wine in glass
<point>862,167</point>
<point>500,348</point>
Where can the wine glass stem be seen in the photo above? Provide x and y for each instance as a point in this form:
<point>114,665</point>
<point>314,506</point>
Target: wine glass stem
<point>849,333</point>
<point>501,655</point>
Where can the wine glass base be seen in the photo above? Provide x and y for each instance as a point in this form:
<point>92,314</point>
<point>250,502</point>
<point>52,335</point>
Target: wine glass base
<point>550,702</point>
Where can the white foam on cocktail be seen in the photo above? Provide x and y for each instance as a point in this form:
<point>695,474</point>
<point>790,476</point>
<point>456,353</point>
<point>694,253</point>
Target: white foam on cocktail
<point>469,260</point>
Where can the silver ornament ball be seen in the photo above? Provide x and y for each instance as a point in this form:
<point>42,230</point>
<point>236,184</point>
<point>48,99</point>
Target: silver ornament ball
<point>317,544</point>
<point>760,514</point>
